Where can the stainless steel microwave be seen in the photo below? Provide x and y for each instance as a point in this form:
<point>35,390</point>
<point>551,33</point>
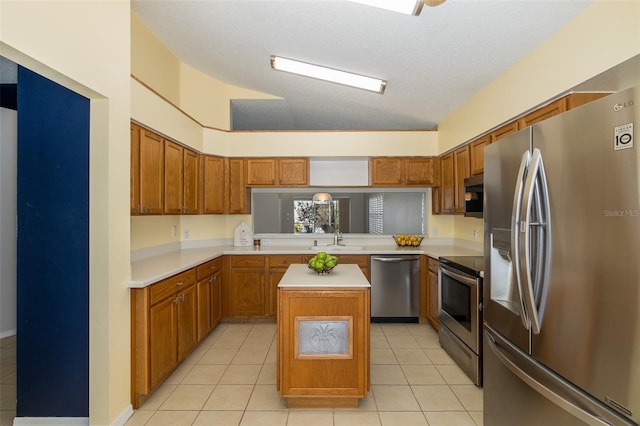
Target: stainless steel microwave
<point>474,196</point>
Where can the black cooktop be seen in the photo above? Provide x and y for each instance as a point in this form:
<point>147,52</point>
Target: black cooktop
<point>470,264</point>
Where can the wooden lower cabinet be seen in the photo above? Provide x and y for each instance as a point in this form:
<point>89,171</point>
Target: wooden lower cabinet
<point>323,380</point>
<point>278,265</point>
<point>246,285</point>
<point>433,304</point>
<point>209,289</point>
<point>168,319</point>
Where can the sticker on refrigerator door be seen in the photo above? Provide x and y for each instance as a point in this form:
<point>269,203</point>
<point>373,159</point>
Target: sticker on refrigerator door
<point>623,137</point>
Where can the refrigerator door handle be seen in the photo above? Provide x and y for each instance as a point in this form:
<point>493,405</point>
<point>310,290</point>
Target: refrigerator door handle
<point>535,189</point>
<point>515,235</point>
<point>563,402</point>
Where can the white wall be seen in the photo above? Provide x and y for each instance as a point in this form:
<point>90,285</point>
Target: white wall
<point>8,177</point>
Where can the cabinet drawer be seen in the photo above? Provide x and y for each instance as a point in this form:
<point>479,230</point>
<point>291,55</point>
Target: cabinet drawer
<point>208,268</point>
<point>244,261</point>
<point>171,285</point>
<point>284,260</point>
<point>360,260</point>
<point>433,265</point>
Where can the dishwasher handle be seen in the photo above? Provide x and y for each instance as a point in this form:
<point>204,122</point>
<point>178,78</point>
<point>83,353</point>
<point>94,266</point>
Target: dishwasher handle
<point>396,259</point>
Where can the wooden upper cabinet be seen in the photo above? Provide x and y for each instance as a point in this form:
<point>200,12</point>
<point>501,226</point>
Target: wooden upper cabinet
<point>447,184</point>
<point>151,173</point>
<point>386,171</point>
<point>554,108</point>
<point>504,131</point>
<point>239,194</point>
<point>293,171</point>
<point>401,171</point>
<point>191,182</point>
<point>173,177</point>
<point>277,172</point>
<point>462,167</point>
<point>261,171</point>
<point>134,193</point>
<point>215,184</point>
<point>574,100</point>
<point>476,150</point>
<point>421,171</point>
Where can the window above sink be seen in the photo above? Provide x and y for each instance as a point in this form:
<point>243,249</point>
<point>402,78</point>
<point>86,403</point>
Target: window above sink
<point>376,211</point>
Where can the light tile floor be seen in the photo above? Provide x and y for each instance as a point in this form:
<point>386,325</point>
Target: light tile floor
<point>7,380</point>
<point>230,379</point>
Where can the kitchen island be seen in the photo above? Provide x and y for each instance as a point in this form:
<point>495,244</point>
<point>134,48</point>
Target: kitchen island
<point>323,337</point>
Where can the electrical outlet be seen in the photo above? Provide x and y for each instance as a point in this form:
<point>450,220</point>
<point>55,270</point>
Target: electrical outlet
<point>187,234</point>
<point>475,234</point>
<point>174,231</point>
<point>434,232</point>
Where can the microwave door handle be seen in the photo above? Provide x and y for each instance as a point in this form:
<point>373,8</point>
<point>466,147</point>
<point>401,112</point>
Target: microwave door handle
<point>515,234</point>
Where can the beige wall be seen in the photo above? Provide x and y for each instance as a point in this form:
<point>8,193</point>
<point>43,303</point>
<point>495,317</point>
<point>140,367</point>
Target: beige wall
<point>606,34</point>
<point>85,46</point>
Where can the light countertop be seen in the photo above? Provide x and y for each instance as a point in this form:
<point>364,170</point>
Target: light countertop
<point>151,269</point>
<point>346,275</point>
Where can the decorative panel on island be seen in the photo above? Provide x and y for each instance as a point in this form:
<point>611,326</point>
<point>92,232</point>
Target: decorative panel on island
<point>323,337</point>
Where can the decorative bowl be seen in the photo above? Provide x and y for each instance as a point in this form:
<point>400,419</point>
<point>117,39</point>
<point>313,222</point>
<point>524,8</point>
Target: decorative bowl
<point>405,240</point>
<point>323,271</point>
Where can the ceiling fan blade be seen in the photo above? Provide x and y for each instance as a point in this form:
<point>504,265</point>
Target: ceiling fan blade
<point>433,3</point>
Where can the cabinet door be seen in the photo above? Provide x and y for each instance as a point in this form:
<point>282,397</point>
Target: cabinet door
<point>504,131</point>
<point>447,184</point>
<point>151,173</point>
<point>386,171</point>
<point>173,177</point>
<point>216,298</point>
<point>547,111</point>
<point>187,321</point>
<point>271,296</point>
<point>215,185</point>
<point>462,170</point>
<point>246,286</point>
<point>191,187</point>
<point>135,169</point>
<point>261,171</point>
<point>293,172</point>
<point>163,339</point>
<point>238,192</point>
<point>419,171</point>
<point>477,154</point>
<point>203,291</point>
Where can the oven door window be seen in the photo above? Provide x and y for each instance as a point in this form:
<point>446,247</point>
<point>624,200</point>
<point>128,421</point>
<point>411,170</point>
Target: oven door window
<point>455,300</point>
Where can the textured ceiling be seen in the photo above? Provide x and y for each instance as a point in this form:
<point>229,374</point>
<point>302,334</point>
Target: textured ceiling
<point>433,63</point>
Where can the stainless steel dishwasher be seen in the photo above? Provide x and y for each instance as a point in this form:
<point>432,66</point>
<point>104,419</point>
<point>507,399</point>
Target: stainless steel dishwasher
<point>395,288</point>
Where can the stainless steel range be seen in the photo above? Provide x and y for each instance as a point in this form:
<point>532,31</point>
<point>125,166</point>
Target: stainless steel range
<point>460,313</point>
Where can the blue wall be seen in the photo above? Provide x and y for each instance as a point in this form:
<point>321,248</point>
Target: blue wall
<point>53,249</point>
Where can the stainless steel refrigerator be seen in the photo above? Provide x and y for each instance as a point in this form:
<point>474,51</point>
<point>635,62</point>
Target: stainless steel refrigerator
<point>562,269</point>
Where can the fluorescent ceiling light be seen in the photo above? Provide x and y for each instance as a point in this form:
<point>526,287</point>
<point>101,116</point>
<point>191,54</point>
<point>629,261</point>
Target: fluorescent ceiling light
<point>328,74</point>
<point>409,7</point>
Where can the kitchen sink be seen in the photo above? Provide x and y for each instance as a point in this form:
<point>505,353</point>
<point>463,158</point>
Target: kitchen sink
<point>335,247</point>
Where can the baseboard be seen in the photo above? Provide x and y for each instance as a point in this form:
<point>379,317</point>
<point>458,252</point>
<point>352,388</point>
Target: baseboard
<point>123,417</point>
<point>7,333</point>
<point>51,421</point>
<point>121,420</point>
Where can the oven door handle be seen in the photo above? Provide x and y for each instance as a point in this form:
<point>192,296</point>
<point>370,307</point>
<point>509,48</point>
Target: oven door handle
<point>465,279</point>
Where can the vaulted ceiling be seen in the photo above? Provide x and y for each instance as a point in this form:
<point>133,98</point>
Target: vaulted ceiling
<point>433,63</point>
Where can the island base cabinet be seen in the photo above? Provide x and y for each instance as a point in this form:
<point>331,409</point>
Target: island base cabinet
<point>323,346</point>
